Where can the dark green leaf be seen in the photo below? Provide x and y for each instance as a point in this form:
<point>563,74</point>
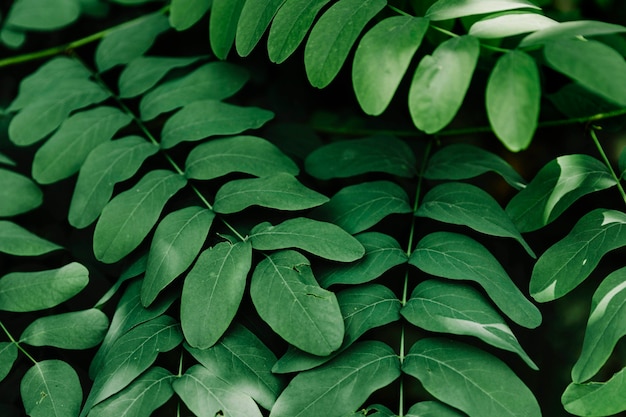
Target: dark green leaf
<point>432,409</point>
<point>8,355</point>
<point>510,24</point>
<point>15,240</point>
<point>570,30</point>
<point>574,101</point>
<point>223,25</point>
<point>136,268</point>
<point>51,389</point>
<point>18,194</point>
<point>6,160</point>
<point>596,398</point>
<point>255,18</point>
<point>76,330</point>
<point>185,13</point>
<point>450,9</point>
<point>12,38</point>
<point>42,14</point>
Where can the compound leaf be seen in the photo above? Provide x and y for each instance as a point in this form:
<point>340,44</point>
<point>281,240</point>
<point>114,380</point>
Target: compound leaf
<point>450,9</point>
<point>15,240</point>
<point>254,19</point>
<point>596,398</point>
<point>510,24</point>
<point>51,389</point>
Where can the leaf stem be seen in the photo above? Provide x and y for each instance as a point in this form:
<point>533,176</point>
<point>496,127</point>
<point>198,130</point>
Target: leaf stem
<point>606,161</point>
<point>16,343</point>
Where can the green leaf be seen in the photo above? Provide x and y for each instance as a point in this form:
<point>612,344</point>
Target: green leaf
<point>382,252</point>
<point>129,216</point>
<point>136,268</point>
<point>333,35</point>
<point>32,291</point>
<point>177,241</point>
<point>130,41</point>
<point>341,385</point>
<point>513,99</point>
<point>185,13</point>
<point>444,307</point>
<point>147,393</point>
<point>212,292</point>
<point>63,154</point>
<point>575,101</point>
<point>254,19</point>
<point>8,355</point>
<point>319,238</point>
<point>11,38</point>
<point>281,191</point>
<point>379,64</point>
<point>510,24</point>
<point>18,194</point>
<point>441,81</point>
<point>596,398</point>
<point>469,379</point>
<point>15,240</point>
<point>432,409</point>
<point>289,27</point>
<point>215,80</point>
<point>459,257</point>
<point>594,65</point>
<point>207,395</point>
<point>144,72</point>
<point>248,154</point>
<point>348,158</point>
<point>106,165</point>
<point>6,160</point>
<point>570,30</point>
<point>76,330</point>
<point>42,15</point>
<point>450,9</point>
<point>288,298</point>
<point>223,25</point>
<point>557,186</point>
<point>205,118</point>
<point>243,361</point>
<point>462,161</point>
<point>51,389</point>
<point>468,205</point>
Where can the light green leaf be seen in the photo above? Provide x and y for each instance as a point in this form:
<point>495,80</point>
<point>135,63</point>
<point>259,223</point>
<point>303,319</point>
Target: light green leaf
<point>207,395</point>
<point>348,158</point>
<point>281,191</point>
<point>147,393</point>
<point>341,385</point>
<point>462,161</point>
<point>557,186</point>
<point>469,379</point>
<point>177,241</point>
<point>459,257</point>
<point>76,330</point>
<point>223,25</point>
<point>18,194</point>
<point>333,35</point>
<point>51,389</point>
<point>215,81</point>
<point>382,58</point>
<point>450,9</point>
<point>248,154</point>
<point>42,15</point>
<point>15,240</point>
<point>432,409</point>
<point>319,238</point>
<point>570,30</point>
<point>444,307</point>
<point>212,292</point>
<point>143,72</point>
<point>243,361</point>
<point>290,26</point>
<point>130,41</point>
<point>468,205</point>
<point>185,13</point>
<point>594,65</point>
<point>596,398</point>
<point>255,18</point>
<point>382,252</point>
<point>441,81</point>
<point>105,166</point>
<point>513,99</point>
<point>8,355</point>
<point>288,298</point>
<point>205,118</point>
<point>510,24</point>
<point>32,291</point>
<point>129,216</point>
<point>63,154</point>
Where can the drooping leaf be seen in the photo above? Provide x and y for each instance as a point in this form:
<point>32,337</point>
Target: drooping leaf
<point>51,389</point>
<point>129,216</point>
<point>432,409</point>
<point>281,191</point>
<point>32,291</point>
<point>248,154</point>
<point>469,379</point>
<point>254,19</point>
<point>353,157</point>
<point>18,194</point>
<point>185,13</point>
<point>441,81</point>
<point>15,240</point>
<point>212,292</point>
<point>513,99</point>
<point>444,307</point>
<point>106,165</point>
<point>288,298</point>
<point>596,398</point>
<point>223,25</point>
<point>459,257</point>
<point>341,385</point>
<point>570,30</point>
<point>76,330</point>
<point>319,238</point>
<point>382,58</point>
<point>63,154</point>
<point>243,361</point>
<point>333,35</point>
<point>42,14</point>
<point>205,118</point>
<point>450,9</point>
<point>510,24</point>
<point>557,186</point>
<point>8,355</point>
<point>177,241</point>
<point>382,252</point>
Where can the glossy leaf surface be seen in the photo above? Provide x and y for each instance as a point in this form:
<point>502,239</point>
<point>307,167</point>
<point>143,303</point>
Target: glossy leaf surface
<point>510,24</point>
<point>223,25</point>
<point>75,330</point>
<point>51,389</point>
<point>15,240</point>
<point>596,398</point>
<point>450,9</point>
<point>254,20</point>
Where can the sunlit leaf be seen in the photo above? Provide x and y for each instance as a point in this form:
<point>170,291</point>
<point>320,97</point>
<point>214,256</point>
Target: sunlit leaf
<point>510,24</point>
<point>450,9</point>
<point>596,398</point>
<point>254,20</point>
<point>432,409</point>
<point>8,355</point>
<point>185,13</point>
<point>18,194</point>
<point>76,330</point>
<point>42,14</point>
<point>15,240</point>
<point>570,30</point>
<point>51,389</point>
